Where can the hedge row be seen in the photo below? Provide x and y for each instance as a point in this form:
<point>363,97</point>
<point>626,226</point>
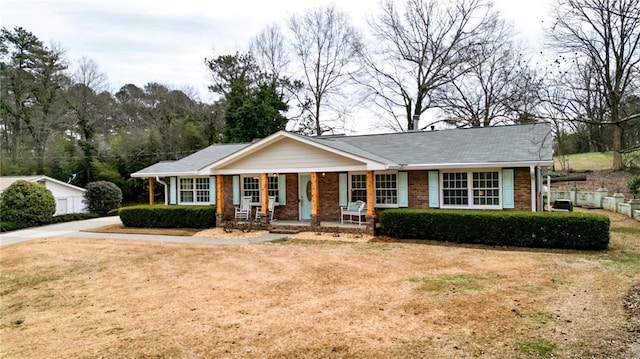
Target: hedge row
<point>499,228</point>
<point>6,226</point>
<point>168,216</point>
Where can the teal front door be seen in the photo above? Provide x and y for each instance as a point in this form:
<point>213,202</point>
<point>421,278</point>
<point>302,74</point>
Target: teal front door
<point>304,195</point>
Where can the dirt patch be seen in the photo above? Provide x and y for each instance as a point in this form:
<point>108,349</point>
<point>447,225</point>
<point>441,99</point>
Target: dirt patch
<point>229,234</point>
<point>632,307</point>
<point>340,237</point>
<point>314,299</point>
<point>119,228</point>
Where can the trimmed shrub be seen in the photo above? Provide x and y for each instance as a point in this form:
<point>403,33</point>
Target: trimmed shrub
<point>634,185</point>
<point>102,197</point>
<point>12,226</point>
<point>148,216</point>
<point>63,218</point>
<point>70,217</point>
<point>569,230</point>
<point>27,203</point>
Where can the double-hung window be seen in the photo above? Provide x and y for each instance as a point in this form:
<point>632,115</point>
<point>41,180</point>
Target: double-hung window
<point>273,187</point>
<point>486,189</point>
<point>195,190</point>
<point>455,189</point>
<point>358,187</point>
<point>251,188</point>
<point>471,189</point>
<point>385,188</point>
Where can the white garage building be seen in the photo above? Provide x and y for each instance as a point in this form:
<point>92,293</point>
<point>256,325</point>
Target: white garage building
<point>68,197</point>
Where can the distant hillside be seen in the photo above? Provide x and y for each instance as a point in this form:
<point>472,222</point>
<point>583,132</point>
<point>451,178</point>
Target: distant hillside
<point>594,161</point>
<point>579,162</point>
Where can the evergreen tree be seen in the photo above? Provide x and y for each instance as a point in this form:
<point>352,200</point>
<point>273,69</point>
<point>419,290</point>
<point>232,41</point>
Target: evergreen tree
<point>253,114</point>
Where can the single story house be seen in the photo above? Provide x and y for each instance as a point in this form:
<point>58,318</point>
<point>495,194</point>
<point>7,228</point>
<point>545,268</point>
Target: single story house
<point>494,168</point>
<point>68,197</point>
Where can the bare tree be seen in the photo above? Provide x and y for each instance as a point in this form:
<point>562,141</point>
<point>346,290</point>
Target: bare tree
<point>497,87</point>
<point>418,50</point>
<point>326,45</point>
<point>87,72</point>
<point>604,34</point>
<point>89,110</point>
<point>270,51</point>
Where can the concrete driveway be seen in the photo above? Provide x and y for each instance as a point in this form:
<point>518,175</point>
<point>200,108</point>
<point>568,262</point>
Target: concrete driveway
<point>74,229</point>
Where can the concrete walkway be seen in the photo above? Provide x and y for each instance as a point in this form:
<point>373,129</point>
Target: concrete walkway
<point>74,229</point>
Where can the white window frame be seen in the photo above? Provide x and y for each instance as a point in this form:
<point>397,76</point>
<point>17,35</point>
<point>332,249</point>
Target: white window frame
<point>351,189</point>
<point>271,191</point>
<point>194,190</point>
<point>470,189</point>
<point>375,188</point>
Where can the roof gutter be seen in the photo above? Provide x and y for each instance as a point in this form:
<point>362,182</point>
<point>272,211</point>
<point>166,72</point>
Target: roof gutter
<point>163,174</point>
<point>435,166</point>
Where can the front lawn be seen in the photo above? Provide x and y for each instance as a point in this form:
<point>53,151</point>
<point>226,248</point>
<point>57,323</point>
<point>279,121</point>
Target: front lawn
<point>64,298</point>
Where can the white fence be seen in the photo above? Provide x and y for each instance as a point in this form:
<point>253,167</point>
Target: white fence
<point>599,199</point>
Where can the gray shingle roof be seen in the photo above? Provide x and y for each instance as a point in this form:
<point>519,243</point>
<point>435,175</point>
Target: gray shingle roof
<point>193,162</point>
<point>473,146</point>
<point>6,181</point>
<point>519,143</point>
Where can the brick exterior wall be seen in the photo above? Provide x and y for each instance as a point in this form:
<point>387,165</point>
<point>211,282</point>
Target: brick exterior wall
<point>329,198</point>
<point>329,209</point>
<point>418,189</point>
<point>522,189</point>
<point>291,209</point>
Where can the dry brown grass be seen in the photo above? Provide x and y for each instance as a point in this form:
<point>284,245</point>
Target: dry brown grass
<point>119,228</point>
<point>63,298</point>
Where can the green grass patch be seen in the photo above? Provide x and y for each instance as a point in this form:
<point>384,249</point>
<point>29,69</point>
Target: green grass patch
<point>554,283</point>
<point>626,230</point>
<point>10,284</point>
<point>622,260</point>
<point>543,317</point>
<point>534,347</point>
<point>453,283</point>
<point>594,161</point>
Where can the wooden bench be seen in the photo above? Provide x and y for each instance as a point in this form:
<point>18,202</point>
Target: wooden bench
<point>354,209</point>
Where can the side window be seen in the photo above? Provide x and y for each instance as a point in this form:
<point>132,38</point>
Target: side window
<point>251,187</point>
<point>358,187</point>
<point>386,189</point>
<point>273,187</point>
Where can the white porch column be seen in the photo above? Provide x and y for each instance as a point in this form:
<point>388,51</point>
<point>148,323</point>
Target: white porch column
<point>534,198</point>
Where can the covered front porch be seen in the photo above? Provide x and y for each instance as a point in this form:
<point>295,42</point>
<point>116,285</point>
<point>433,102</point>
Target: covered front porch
<point>304,201</point>
<point>307,180</point>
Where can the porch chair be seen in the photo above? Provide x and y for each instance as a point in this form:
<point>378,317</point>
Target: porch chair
<point>270,208</point>
<point>357,209</point>
<point>244,211</point>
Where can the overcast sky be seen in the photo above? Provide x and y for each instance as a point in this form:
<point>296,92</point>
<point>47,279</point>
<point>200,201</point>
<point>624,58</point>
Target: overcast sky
<point>138,41</point>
